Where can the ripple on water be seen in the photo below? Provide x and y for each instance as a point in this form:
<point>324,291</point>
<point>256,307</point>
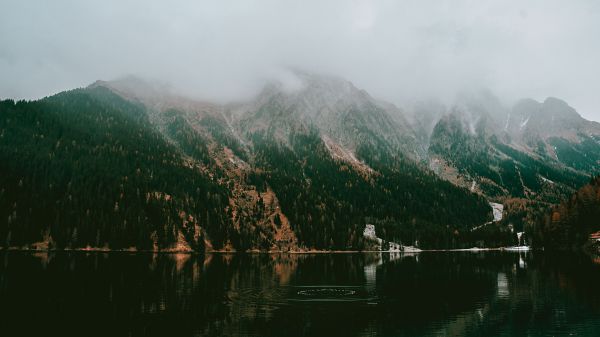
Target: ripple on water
<point>326,292</point>
<point>330,294</point>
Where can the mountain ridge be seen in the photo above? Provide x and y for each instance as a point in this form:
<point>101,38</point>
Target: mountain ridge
<point>522,155</point>
<point>296,168</point>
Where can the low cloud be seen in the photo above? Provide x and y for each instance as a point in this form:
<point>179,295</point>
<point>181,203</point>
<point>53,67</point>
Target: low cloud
<point>225,50</point>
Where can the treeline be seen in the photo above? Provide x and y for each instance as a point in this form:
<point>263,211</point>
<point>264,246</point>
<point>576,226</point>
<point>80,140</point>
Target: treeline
<point>86,168</point>
<point>567,226</point>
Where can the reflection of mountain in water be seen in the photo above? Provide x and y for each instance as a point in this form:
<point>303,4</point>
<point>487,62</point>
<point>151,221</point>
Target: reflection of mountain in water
<point>459,294</point>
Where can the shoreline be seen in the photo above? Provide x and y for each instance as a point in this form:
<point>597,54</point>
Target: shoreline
<point>253,252</point>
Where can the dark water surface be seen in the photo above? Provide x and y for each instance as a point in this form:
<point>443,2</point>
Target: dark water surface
<point>430,294</point>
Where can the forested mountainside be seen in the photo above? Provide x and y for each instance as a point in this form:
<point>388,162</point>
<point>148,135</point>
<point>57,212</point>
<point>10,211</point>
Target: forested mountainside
<point>568,226</point>
<point>86,168</point>
<point>527,157</point>
<point>129,165</point>
<point>89,168</point>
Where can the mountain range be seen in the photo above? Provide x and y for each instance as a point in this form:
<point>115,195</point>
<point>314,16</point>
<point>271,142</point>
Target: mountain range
<point>127,164</point>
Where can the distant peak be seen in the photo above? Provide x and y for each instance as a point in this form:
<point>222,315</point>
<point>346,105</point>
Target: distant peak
<point>135,86</point>
<point>555,101</point>
<point>527,101</point>
<point>304,87</point>
<point>323,78</point>
<point>555,106</point>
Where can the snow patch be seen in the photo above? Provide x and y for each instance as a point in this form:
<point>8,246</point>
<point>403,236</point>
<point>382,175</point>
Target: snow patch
<point>497,210</point>
<point>507,121</point>
<point>517,248</point>
<point>369,233</point>
<point>473,249</point>
<point>411,249</point>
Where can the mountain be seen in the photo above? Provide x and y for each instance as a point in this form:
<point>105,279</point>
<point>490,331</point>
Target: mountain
<point>342,114</point>
<point>86,168</point>
<point>555,130</point>
<point>298,167</point>
<point>533,153</point>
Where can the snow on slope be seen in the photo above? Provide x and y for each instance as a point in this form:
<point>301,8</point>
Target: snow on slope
<point>497,210</point>
<point>369,233</point>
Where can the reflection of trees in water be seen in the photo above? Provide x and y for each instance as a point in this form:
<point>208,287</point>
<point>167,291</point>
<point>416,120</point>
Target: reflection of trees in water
<point>531,301</point>
<point>227,294</point>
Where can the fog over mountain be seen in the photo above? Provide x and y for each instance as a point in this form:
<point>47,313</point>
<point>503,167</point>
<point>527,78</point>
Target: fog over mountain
<point>399,51</point>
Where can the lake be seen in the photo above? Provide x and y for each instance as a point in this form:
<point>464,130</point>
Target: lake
<point>430,294</point>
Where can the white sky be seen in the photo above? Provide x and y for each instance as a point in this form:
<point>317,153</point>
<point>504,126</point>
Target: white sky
<point>224,50</point>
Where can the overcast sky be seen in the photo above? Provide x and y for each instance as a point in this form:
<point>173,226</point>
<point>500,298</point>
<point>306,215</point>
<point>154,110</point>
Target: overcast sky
<point>222,50</point>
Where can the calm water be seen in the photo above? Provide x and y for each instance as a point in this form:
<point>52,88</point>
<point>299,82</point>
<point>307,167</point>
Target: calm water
<point>430,294</point>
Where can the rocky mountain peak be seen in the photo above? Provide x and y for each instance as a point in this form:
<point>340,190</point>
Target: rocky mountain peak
<point>136,87</point>
<point>557,108</point>
<point>157,96</point>
<point>340,111</point>
<point>313,95</point>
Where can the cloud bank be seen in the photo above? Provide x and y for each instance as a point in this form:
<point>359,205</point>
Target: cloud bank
<point>225,50</point>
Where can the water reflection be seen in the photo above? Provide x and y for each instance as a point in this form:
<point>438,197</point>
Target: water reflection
<point>503,290</point>
<point>379,294</point>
